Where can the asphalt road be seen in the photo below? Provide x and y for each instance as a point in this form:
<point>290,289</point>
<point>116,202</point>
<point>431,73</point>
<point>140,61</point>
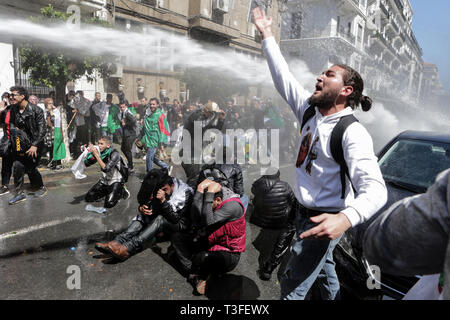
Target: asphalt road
<point>60,236</point>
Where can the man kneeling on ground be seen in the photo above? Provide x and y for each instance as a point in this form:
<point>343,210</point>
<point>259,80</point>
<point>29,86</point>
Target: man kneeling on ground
<point>215,243</point>
<point>164,205</point>
<point>112,184</point>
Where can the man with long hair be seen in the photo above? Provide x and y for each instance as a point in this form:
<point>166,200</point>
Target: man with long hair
<point>328,205</point>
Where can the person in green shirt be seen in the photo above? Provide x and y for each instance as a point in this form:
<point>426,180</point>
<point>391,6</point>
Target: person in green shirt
<point>155,132</point>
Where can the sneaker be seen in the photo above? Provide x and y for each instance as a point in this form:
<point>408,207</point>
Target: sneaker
<point>4,190</point>
<point>126,193</point>
<point>58,167</point>
<point>18,198</point>
<point>42,191</point>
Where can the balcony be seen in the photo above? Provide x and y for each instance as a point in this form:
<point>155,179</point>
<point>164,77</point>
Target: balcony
<point>387,45</point>
<point>384,10</point>
<point>347,35</point>
<point>352,6</point>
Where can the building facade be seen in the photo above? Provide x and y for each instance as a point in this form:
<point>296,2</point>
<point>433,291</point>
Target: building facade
<point>374,37</point>
<point>225,23</point>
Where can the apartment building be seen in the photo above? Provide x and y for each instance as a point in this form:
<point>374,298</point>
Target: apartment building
<point>373,36</point>
<point>226,23</point>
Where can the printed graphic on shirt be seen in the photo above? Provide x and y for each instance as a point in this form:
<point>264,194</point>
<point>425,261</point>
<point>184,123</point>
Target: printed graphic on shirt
<point>304,148</point>
<point>312,156</point>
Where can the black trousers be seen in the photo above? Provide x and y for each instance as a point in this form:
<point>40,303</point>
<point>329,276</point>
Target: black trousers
<point>7,165</point>
<point>280,247</point>
<point>26,165</point>
<point>196,259</point>
<point>112,193</point>
<point>127,144</point>
<point>138,233</point>
<point>192,172</point>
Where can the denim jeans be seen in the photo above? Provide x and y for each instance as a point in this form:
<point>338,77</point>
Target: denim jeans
<point>310,260</point>
<point>150,158</point>
<point>244,200</point>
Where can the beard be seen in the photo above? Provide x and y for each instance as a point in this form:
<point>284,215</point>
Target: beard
<point>325,100</point>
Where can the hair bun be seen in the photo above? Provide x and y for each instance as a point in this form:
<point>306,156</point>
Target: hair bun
<point>366,103</point>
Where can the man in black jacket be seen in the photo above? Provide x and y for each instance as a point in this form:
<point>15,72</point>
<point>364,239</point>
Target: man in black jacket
<point>128,123</point>
<point>274,208</point>
<point>209,117</point>
<point>28,130</point>
<point>164,206</point>
<point>112,184</point>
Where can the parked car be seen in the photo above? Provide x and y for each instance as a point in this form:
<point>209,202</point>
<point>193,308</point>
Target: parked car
<point>409,163</point>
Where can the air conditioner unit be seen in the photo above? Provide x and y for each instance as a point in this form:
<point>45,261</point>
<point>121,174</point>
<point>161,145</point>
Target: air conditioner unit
<point>117,70</point>
<point>149,2</point>
<point>222,6</point>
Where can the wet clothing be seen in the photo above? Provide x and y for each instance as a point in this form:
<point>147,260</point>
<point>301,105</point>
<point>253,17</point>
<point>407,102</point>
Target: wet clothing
<point>227,175</point>
<point>275,207</point>
<point>168,217</point>
<point>412,236</point>
<point>274,202</point>
<point>111,184</point>
<point>193,168</point>
<point>214,243</point>
<point>318,184</point>
<point>128,134</point>
<point>32,122</point>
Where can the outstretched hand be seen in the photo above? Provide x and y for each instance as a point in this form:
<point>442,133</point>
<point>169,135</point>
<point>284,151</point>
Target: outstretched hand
<point>330,227</point>
<point>262,22</point>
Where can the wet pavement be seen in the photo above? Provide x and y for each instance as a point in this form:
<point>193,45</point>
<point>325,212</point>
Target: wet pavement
<point>42,237</point>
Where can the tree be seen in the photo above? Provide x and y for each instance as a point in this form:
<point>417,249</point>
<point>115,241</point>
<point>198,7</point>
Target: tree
<point>56,67</point>
<point>212,85</point>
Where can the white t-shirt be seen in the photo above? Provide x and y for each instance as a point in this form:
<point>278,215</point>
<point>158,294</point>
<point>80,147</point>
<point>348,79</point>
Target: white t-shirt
<point>318,184</point>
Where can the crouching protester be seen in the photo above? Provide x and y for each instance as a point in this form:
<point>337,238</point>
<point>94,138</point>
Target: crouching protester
<point>114,173</point>
<point>275,207</point>
<point>214,244</point>
<point>164,205</point>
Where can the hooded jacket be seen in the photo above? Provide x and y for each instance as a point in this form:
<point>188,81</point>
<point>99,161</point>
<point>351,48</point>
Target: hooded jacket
<point>273,202</point>
<point>228,175</point>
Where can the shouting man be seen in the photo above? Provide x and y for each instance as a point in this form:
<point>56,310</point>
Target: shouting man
<point>328,204</point>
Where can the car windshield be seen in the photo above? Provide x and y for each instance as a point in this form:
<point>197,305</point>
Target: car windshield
<point>413,164</point>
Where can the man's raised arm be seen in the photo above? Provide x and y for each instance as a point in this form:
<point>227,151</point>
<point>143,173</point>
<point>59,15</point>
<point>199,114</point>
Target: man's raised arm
<point>286,84</point>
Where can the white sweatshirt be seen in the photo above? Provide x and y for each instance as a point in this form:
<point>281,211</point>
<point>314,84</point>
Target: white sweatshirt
<point>319,186</point>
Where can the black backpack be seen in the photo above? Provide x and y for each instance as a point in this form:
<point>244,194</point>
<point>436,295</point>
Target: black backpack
<point>336,143</point>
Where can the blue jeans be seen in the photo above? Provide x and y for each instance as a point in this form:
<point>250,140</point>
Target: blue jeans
<point>310,260</point>
<point>150,158</point>
<point>244,200</point>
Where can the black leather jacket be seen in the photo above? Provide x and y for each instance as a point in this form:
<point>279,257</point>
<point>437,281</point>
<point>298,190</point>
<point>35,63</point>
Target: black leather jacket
<point>273,203</point>
<point>228,175</point>
<point>180,217</point>
<point>31,121</point>
<point>129,129</point>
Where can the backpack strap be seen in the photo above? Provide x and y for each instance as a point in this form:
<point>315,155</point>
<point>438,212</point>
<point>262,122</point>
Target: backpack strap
<point>336,148</point>
<point>309,113</point>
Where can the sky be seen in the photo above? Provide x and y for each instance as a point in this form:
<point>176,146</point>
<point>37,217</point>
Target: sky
<point>431,26</point>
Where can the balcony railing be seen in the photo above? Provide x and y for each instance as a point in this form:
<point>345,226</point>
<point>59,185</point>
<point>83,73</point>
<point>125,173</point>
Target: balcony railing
<point>347,35</point>
<point>384,9</point>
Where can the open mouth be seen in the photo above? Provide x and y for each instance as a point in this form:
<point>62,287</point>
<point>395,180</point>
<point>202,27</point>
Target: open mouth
<point>318,88</point>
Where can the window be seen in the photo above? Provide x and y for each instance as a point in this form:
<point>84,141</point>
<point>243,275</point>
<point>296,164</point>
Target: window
<point>296,25</point>
<point>253,5</point>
